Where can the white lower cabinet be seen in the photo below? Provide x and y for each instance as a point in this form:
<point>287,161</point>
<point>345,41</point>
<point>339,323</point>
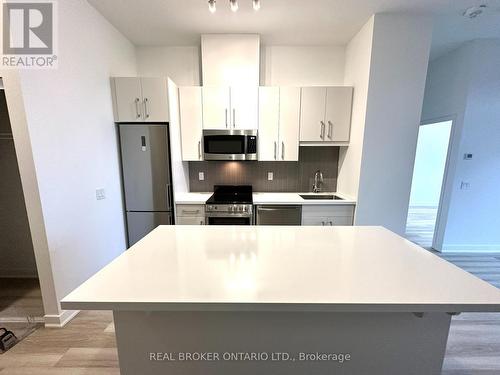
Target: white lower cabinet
<point>330,215</point>
<point>190,214</point>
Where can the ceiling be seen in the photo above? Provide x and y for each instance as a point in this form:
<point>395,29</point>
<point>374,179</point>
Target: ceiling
<point>290,22</point>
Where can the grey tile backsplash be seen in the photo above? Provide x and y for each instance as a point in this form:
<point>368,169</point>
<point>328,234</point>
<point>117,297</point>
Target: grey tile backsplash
<point>288,176</point>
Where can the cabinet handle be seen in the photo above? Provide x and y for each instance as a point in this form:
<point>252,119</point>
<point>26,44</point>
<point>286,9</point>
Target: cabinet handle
<point>282,150</point>
<point>330,129</point>
<point>137,111</point>
<point>234,118</point>
<point>146,107</point>
<point>190,211</point>
<point>199,149</point>
<point>226,117</point>
<point>275,150</point>
<point>322,134</point>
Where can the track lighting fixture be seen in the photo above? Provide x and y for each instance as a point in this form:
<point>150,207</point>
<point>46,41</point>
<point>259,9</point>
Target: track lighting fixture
<point>234,5</point>
<point>211,6</point>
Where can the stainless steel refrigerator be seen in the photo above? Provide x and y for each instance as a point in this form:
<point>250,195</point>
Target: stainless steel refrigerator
<point>146,178</point>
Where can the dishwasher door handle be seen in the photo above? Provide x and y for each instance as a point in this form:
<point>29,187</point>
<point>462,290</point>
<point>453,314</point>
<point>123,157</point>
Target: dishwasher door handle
<point>277,208</point>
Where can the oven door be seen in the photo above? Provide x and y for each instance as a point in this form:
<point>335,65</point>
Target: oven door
<point>229,144</point>
<point>229,220</point>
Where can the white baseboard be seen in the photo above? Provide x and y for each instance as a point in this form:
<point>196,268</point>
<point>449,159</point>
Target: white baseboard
<point>6,319</point>
<point>59,321</point>
<point>471,248</point>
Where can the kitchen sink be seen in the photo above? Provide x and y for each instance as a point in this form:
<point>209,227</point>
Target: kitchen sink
<point>320,196</point>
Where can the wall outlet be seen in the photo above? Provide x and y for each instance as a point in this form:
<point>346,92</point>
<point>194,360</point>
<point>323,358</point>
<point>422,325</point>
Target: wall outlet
<point>467,156</point>
<point>270,176</point>
<point>201,176</point>
<point>465,185</point>
<point>100,194</point>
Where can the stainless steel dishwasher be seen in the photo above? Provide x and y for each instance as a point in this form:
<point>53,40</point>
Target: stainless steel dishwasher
<point>278,215</point>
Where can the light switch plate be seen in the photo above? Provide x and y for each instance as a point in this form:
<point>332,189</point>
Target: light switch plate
<point>467,156</point>
<point>270,176</point>
<point>201,176</point>
<point>100,194</point>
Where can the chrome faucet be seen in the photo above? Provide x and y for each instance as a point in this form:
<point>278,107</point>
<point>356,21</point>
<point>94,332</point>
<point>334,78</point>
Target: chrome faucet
<point>318,182</point>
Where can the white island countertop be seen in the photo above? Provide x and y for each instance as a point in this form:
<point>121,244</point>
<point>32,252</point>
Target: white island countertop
<point>268,198</point>
<point>270,268</point>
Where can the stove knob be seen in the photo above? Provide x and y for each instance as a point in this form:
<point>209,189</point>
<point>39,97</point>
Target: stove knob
<point>230,208</point>
<point>240,208</point>
<point>244,208</point>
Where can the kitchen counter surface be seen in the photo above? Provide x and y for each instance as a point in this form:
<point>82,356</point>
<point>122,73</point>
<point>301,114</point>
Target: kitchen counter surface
<point>191,198</point>
<point>264,268</point>
<point>266,198</point>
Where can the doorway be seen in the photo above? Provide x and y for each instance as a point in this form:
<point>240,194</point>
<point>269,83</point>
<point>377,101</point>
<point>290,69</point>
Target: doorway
<point>21,306</point>
<point>429,174</point>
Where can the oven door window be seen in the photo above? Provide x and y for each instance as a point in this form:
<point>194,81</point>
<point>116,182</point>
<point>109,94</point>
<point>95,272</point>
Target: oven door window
<point>224,144</point>
<point>229,221</point>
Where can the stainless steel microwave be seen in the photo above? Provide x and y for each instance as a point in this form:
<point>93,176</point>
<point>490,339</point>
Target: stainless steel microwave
<point>230,144</point>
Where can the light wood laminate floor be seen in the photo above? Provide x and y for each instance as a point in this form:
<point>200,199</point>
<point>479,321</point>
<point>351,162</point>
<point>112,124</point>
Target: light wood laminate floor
<point>20,299</point>
<point>86,346</point>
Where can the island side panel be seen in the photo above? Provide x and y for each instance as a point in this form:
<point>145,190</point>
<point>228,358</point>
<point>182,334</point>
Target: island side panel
<point>153,343</point>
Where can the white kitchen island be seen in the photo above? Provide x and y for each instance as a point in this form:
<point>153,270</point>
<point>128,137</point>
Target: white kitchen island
<point>281,300</point>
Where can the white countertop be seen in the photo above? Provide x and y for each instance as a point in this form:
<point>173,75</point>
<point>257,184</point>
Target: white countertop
<point>266,198</point>
<point>270,268</point>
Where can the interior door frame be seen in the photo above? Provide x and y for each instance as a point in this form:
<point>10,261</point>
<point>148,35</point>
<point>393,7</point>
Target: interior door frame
<point>447,182</point>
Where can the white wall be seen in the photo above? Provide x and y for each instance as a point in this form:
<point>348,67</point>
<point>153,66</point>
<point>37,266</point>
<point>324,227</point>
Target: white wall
<point>181,64</point>
<point>302,65</point>
<point>465,84</point>
<point>400,54</point>
<point>357,74</point>
<point>280,65</point>
<point>74,144</point>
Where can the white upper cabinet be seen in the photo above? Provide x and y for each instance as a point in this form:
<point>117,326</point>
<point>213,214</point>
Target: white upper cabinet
<point>140,99</point>
<point>128,98</point>
<point>338,113</point>
<point>312,116</point>
<point>216,107</point>
<point>289,123</point>
<point>154,99</point>
<point>190,112</point>
<point>279,113</point>
<point>244,107</point>
<point>326,115</point>
<point>230,108</point>
<point>269,118</point>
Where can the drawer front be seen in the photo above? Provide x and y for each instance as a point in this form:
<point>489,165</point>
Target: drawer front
<point>191,210</point>
<point>328,210</point>
<point>190,220</point>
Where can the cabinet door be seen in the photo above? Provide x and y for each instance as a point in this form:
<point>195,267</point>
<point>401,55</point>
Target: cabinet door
<point>154,99</point>
<point>269,117</point>
<point>190,220</point>
<point>128,99</point>
<point>314,220</point>
<point>244,107</point>
<point>190,110</point>
<point>215,107</point>
<point>289,128</point>
<point>312,115</point>
<point>338,114</point>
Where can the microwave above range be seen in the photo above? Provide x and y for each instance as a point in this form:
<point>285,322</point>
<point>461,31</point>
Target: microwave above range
<point>230,144</point>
